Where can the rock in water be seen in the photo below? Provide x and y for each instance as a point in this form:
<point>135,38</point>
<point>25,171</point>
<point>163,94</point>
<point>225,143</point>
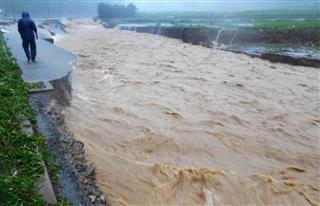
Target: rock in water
<point>92,198</point>
<point>89,170</point>
<point>103,198</point>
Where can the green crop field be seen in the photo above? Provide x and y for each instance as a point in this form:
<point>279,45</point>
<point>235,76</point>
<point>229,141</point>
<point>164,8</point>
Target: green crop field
<point>306,24</point>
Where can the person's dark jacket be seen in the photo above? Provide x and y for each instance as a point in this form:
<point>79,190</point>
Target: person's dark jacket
<point>26,27</point>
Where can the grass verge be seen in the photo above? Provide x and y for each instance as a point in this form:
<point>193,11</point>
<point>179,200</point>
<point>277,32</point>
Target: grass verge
<point>20,160</point>
<point>21,155</point>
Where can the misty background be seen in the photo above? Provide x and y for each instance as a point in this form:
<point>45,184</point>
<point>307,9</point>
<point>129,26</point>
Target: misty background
<point>88,8</point>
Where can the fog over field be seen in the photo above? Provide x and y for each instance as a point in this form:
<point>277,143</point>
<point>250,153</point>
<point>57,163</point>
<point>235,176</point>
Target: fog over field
<point>220,5</point>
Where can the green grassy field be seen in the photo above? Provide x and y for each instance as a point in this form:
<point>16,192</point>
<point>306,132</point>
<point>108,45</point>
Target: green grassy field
<point>250,14</point>
<point>262,19</point>
<point>306,24</point>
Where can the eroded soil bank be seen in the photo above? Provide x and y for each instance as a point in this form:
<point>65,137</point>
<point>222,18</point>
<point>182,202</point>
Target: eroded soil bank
<point>291,46</point>
<point>76,180</point>
<point>168,123</point>
<point>230,36</point>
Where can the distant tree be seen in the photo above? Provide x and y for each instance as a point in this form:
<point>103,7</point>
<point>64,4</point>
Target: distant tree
<point>106,11</point>
<point>131,9</point>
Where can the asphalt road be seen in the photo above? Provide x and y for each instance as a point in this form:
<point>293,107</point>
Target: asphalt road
<point>52,62</point>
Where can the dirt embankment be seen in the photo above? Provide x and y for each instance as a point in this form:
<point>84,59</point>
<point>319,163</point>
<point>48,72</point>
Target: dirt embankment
<point>303,37</point>
<point>229,37</point>
<point>77,178</point>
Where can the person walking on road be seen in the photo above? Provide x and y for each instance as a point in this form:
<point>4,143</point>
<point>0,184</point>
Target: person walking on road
<point>28,32</point>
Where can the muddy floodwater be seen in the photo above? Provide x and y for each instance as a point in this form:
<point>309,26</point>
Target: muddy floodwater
<point>169,123</point>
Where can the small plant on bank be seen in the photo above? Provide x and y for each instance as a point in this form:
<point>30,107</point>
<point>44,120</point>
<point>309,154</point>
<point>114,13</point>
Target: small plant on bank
<point>35,85</point>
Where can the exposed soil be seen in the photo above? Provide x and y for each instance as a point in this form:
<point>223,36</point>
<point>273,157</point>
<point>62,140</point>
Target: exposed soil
<point>77,181</point>
<point>228,37</point>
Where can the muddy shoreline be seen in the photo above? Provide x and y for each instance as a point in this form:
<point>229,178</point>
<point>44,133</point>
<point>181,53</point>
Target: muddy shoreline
<point>77,179</point>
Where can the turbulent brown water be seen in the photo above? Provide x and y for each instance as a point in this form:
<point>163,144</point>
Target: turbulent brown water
<point>168,123</point>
